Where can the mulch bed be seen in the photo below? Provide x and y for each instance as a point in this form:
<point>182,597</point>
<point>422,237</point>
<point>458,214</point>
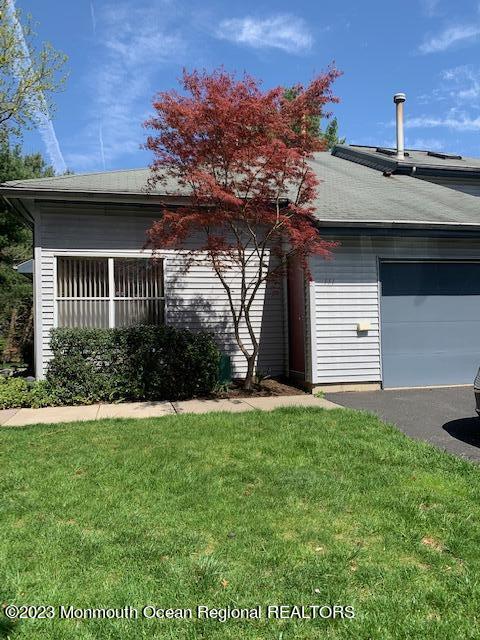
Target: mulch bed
<point>268,387</point>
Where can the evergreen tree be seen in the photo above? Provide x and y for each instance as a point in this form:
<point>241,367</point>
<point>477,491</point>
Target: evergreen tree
<point>330,135</point>
<point>15,247</point>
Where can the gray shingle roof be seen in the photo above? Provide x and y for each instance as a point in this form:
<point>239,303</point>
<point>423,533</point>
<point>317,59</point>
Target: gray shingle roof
<point>349,193</point>
<point>127,181</point>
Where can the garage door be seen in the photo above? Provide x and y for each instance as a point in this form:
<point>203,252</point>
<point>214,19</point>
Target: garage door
<point>430,320</point>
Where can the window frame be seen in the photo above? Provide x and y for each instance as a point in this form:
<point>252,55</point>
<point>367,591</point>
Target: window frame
<point>111,299</point>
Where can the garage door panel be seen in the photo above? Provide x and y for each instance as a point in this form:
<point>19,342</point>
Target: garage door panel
<point>444,337</point>
<point>430,278</point>
<point>400,309</point>
<point>430,323</point>
<point>414,370</point>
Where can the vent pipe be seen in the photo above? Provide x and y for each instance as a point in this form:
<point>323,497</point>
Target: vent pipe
<point>399,99</point>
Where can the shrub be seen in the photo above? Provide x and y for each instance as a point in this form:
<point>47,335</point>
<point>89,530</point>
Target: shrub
<point>14,392</point>
<point>17,392</point>
<point>131,363</point>
<point>42,394</point>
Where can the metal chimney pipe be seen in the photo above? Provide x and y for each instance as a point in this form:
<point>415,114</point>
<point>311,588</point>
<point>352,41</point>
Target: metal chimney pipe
<point>399,99</point>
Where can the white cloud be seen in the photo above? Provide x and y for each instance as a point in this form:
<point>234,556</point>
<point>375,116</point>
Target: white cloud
<point>455,107</point>
<point>286,32</point>
<point>134,45</point>
<point>430,7</point>
<point>454,121</point>
<point>458,87</point>
<point>94,20</point>
<point>102,147</point>
<point>450,37</point>
<point>431,144</point>
<point>42,118</point>
<point>462,83</point>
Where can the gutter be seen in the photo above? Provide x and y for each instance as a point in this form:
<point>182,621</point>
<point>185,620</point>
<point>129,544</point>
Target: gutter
<point>398,223</point>
<point>91,196</point>
<point>417,229</point>
<point>13,199</point>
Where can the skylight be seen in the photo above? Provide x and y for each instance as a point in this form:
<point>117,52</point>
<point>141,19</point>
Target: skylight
<point>389,152</point>
<point>444,156</point>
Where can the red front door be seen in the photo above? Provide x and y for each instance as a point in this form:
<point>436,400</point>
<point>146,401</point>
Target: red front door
<point>296,318</point>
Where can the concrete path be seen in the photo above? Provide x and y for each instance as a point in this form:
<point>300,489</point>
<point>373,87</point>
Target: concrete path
<point>444,417</point>
<point>50,415</point>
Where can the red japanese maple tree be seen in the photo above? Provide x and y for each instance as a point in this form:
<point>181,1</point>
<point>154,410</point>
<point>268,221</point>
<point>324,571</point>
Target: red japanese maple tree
<point>242,153</point>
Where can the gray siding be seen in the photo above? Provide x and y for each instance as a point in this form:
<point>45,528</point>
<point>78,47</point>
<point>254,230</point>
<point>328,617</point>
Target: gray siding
<point>195,299</point>
<point>347,290</point>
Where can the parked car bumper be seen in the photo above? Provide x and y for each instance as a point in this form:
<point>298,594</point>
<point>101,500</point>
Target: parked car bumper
<point>476,388</point>
<point>477,400</point>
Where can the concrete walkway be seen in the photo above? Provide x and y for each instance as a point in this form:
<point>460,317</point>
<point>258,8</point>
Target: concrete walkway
<point>49,415</point>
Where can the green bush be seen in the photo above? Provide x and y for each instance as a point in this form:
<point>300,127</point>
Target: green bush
<point>17,392</point>
<point>14,392</point>
<point>42,394</point>
<point>131,363</point>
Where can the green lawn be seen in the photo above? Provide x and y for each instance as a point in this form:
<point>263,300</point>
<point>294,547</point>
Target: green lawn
<point>291,507</point>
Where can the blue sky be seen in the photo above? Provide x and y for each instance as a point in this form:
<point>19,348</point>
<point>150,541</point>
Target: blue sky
<point>121,53</point>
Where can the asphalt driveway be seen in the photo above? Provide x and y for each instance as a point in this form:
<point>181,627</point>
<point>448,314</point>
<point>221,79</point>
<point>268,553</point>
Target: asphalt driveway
<point>444,417</point>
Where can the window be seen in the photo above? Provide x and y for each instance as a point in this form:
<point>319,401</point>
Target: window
<point>109,292</point>
<point>82,292</point>
<point>138,292</point>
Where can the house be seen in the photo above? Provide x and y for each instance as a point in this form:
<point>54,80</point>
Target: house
<point>397,306</point>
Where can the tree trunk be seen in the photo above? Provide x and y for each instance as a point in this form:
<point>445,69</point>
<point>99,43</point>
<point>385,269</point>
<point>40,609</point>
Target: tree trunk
<point>9,348</point>
<point>28,327</point>
<point>250,377</point>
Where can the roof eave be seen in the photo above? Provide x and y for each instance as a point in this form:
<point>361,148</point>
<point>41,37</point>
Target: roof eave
<point>91,196</point>
<point>396,224</point>
<point>440,172</point>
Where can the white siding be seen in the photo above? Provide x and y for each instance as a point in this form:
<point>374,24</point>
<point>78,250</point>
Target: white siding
<point>195,299</point>
<point>347,290</point>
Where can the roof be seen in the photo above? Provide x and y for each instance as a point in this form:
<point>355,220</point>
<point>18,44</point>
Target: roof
<point>355,193</point>
<point>127,181</point>
<point>422,161</point>
<point>349,193</point>
<point>25,267</point>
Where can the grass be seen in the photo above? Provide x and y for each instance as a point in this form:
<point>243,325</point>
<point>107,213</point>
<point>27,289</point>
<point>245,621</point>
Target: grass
<point>293,507</point>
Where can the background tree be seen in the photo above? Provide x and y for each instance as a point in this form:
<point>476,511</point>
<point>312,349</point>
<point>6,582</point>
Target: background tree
<point>330,135</point>
<point>28,76</point>
<point>243,153</point>
<point>15,247</point>
<point>312,121</point>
